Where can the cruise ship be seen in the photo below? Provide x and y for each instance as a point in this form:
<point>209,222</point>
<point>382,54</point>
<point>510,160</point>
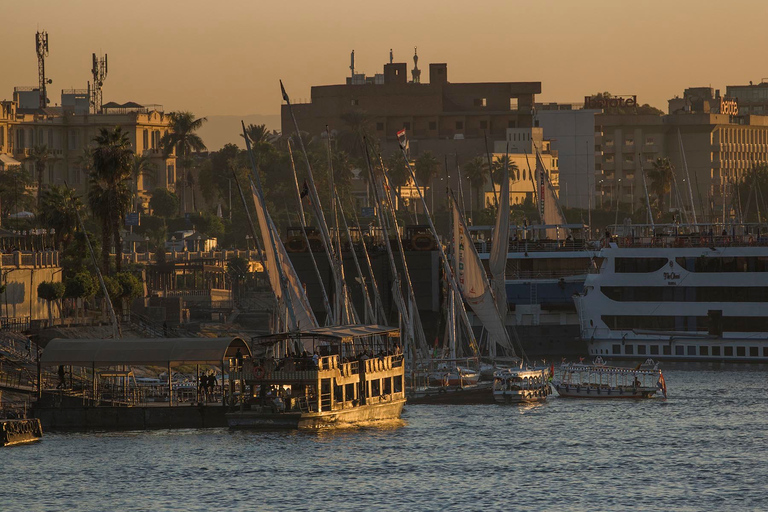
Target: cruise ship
<point>655,291</point>
<point>546,266</point>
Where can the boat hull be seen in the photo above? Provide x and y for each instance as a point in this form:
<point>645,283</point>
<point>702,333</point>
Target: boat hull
<point>383,411</point>
<point>521,397</point>
<point>468,395</point>
<point>610,392</point>
<point>15,432</point>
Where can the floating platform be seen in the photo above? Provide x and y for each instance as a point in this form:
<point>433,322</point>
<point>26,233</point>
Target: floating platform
<point>14,432</point>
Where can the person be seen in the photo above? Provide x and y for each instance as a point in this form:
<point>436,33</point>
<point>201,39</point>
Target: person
<point>211,382</point>
<point>316,358</point>
<point>202,385</point>
<point>62,382</point>
<point>637,382</point>
<point>239,358</point>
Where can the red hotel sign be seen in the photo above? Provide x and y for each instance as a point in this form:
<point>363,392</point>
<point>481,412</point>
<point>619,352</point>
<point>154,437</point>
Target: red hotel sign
<point>612,102</point>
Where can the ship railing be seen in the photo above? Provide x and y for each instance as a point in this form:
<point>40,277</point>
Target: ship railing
<point>383,363</point>
<point>540,245</point>
<point>545,274</point>
<point>693,240</point>
<point>325,401</point>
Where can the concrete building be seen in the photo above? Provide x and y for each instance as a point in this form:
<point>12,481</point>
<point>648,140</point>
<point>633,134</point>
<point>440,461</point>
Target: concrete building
<point>440,116</point>
<point>571,131</point>
<point>752,98</point>
<point>69,129</point>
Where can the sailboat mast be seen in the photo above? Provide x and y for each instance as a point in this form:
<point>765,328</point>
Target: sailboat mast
<point>369,314</point>
<point>374,285</point>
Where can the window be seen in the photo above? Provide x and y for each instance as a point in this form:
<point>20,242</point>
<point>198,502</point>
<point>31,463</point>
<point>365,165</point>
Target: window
<point>641,350</point>
<point>703,351</point>
<point>765,351</point>
<point>629,141</point>
<point>483,125</point>
<point>667,350</point>
<point>609,143</point>
<point>752,351</point>
<point>649,141</point>
<point>171,175</point>
<point>380,127</point>
<point>727,264</point>
<point>616,349</point>
<point>679,350</point>
<point>691,350</point>
<point>145,140</point>
<point>639,265</point>
<point>728,351</point>
<point>654,350</point>
<point>741,351</point>
<point>512,103</point>
<point>459,125</point>
<point>480,102</point>
<point>716,351</point>
<point>629,349</point>
<point>433,125</point>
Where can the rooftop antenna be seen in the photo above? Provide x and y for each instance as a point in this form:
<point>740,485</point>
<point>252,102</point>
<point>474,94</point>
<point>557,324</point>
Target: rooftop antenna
<point>41,46</point>
<point>352,65</point>
<point>99,72</point>
<point>391,56</point>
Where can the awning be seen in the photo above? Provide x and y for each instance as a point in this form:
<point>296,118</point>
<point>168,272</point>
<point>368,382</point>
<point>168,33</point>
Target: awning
<point>150,352</point>
<point>8,160</point>
<point>345,333</point>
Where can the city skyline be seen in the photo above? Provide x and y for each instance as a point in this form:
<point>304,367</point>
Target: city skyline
<point>228,61</point>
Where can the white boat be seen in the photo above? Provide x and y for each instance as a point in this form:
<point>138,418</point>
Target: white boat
<point>600,381</point>
<point>675,296</point>
<point>521,385</point>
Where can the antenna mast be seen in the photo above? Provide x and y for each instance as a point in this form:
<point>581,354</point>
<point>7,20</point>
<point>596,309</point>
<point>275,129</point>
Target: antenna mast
<point>99,72</point>
<point>41,46</point>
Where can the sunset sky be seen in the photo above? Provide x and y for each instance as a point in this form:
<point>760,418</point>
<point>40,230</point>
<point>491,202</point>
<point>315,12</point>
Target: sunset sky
<point>225,57</point>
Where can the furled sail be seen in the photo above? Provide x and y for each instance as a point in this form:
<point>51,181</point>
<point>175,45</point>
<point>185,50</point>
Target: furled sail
<point>549,207</point>
<point>282,276</point>
<point>474,285</point>
<point>497,261</point>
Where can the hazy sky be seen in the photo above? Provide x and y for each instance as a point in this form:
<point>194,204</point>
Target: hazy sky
<point>226,56</point>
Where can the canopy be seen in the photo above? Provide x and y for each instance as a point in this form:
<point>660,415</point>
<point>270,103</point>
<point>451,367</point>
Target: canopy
<point>8,160</point>
<point>154,351</point>
<point>345,333</point>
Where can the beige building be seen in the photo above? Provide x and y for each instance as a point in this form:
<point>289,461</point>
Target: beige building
<point>69,129</point>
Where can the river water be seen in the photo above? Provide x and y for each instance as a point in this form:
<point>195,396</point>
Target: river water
<point>705,448</point>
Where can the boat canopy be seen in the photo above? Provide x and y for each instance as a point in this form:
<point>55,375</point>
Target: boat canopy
<point>342,333</point>
<point>150,352</point>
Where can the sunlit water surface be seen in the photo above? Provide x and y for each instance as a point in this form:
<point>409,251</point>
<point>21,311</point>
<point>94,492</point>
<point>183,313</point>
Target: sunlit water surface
<point>705,448</point>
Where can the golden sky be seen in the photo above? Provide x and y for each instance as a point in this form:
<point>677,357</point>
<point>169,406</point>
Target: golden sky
<point>225,57</point>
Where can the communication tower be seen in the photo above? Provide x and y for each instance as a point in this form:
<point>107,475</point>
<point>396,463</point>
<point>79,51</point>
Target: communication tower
<point>41,45</point>
<point>99,72</point>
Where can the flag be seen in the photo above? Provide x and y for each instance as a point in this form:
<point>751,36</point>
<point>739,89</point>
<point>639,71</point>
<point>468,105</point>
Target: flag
<point>551,371</point>
<point>285,94</point>
<point>662,385</point>
<point>304,190</point>
<point>401,138</point>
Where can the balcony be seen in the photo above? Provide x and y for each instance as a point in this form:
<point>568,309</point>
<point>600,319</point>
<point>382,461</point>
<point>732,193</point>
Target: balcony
<point>628,148</point>
<point>650,148</point>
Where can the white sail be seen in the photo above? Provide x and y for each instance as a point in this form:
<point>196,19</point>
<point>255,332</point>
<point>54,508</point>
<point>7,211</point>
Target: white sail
<point>473,282</point>
<point>290,291</point>
<point>497,261</point>
<point>549,208</point>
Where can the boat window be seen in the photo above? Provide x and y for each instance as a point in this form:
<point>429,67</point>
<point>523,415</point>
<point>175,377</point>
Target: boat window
<point>752,351</point>
<point>691,350</point>
<point>679,350</point>
<point>667,350</point>
<point>724,264</point>
<point>638,265</point>
<point>703,351</point>
<point>376,387</point>
<point>654,350</point>
<point>765,351</point>
<point>728,351</point>
<point>716,351</point>
<point>741,351</point>
<point>710,323</point>
<point>397,384</point>
<point>350,392</point>
<point>629,349</point>
<point>686,293</point>
<point>616,349</point>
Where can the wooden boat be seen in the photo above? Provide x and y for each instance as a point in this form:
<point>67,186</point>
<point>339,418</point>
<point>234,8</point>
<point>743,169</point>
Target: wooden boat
<point>521,385</point>
<point>13,432</point>
<point>600,381</point>
<point>340,384</point>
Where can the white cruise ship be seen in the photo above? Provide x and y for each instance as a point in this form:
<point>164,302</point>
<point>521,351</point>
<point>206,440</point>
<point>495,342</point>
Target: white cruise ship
<point>684,297</point>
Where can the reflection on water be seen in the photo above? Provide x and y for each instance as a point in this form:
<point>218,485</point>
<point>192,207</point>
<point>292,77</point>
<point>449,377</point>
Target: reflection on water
<point>702,449</point>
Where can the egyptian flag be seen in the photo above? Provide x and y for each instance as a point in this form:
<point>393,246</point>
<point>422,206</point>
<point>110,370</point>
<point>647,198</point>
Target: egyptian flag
<point>662,385</point>
<point>285,94</point>
<point>401,138</point>
<point>305,190</point>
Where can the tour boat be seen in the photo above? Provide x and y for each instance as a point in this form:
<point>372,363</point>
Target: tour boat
<point>521,385</point>
<point>578,380</point>
<point>657,291</point>
<point>340,376</point>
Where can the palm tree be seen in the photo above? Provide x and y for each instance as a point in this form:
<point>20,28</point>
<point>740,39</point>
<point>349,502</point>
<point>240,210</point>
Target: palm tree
<point>257,133</point>
<point>476,172</point>
<point>184,140</point>
<point>661,181</point>
<point>141,167</point>
<point>58,210</point>
<point>109,196</point>
<point>39,157</point>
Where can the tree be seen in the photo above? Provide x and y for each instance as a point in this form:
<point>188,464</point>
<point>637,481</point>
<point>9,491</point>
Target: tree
<point>164,203</point>
<point>476,172</point>
<point>141,167</point>
<point>50,292</point>
<point>661,181</point>
<point>14,194</point>
<point>108,195</point>
<point>498,169</point>
<point>183,139</point>
<point>426,168</point>
<point>397,168</point>
<point>39,157</point>
<point>58,210</point>
<point>80,286</point>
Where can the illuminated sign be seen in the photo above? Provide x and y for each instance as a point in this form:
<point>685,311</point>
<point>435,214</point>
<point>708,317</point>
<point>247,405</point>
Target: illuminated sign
<point>729,106</point>
<point>612,102</point>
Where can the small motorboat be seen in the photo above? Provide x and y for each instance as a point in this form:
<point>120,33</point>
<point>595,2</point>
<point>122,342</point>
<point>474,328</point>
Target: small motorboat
<point>521,385</point>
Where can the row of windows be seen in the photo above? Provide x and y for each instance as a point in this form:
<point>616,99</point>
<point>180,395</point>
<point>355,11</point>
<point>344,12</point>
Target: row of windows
<point>713,324</point>
<point>686,293</point>
<point>726,264</point>
<point>687,350</point>
<point>638,265</point>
